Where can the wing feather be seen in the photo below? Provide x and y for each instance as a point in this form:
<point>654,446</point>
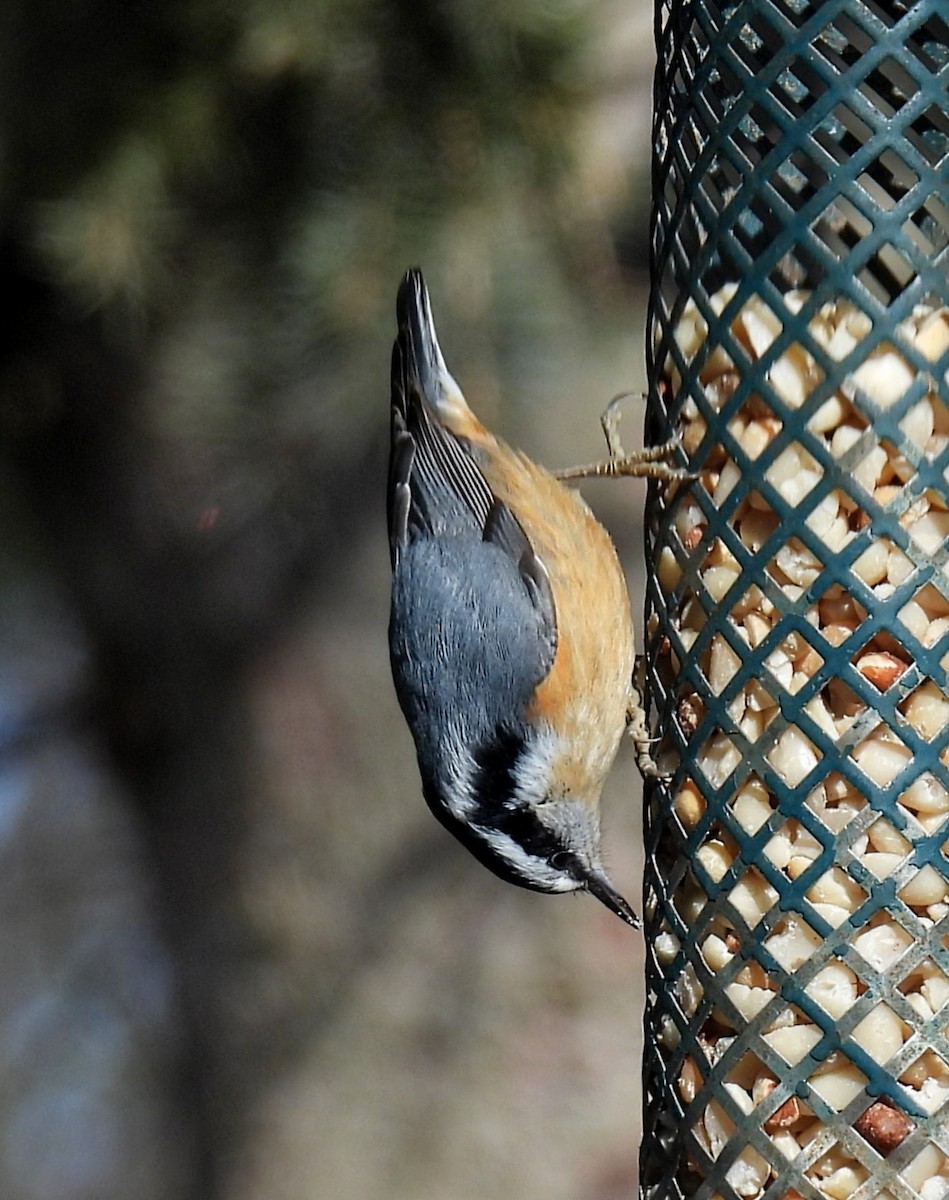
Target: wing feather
<point>437,489</point>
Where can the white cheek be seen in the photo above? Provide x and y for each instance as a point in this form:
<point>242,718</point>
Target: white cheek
<point>534,770</point>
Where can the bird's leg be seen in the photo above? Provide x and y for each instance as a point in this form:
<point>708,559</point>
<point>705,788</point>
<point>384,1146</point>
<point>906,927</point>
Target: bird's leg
<point>638,730</point>
<point>649,463</point>
<point>610,420</point>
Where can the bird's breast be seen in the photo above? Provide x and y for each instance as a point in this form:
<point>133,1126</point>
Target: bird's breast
<point>584,696</point>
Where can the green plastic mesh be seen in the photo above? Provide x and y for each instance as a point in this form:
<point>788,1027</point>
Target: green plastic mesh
<point>797,878</point>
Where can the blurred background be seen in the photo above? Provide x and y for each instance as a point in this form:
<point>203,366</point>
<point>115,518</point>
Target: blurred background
<point>239,958</point>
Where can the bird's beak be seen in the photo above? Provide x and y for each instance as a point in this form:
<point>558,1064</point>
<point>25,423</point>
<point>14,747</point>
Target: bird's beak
<point>598,885</point>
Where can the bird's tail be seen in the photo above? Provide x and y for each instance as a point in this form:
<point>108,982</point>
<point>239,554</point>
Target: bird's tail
<point>419,371</point>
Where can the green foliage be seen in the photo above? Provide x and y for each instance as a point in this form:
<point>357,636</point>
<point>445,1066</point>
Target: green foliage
<point>327,137</point>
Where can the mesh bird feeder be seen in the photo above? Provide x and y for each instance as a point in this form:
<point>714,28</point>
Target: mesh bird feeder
<point>797,886</point>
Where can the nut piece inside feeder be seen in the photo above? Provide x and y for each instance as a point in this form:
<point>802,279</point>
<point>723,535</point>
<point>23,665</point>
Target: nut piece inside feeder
<point>844,481</point>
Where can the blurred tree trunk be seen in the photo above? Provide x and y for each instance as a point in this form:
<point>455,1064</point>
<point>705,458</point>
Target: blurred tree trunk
<point>156,692</point>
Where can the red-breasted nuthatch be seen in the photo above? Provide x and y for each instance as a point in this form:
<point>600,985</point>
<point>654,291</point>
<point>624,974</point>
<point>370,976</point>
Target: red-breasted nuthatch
<point>510,634</point>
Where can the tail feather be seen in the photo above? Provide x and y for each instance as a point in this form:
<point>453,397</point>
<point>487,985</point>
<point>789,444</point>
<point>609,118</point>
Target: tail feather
<point>422,364</point>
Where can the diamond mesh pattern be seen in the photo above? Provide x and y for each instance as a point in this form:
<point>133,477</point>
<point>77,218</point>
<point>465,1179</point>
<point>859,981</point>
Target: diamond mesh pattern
<point>797,886</point>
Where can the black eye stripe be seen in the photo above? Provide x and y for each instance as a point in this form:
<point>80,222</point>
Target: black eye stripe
<point>494,783</point>
<point>523,827</point>
<point>495,765</point>
<point>489,791</point>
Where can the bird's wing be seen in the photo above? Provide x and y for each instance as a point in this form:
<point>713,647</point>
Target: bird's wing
<point>437,490</point>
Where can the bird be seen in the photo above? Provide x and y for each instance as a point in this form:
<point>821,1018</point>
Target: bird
<point>510,628</point>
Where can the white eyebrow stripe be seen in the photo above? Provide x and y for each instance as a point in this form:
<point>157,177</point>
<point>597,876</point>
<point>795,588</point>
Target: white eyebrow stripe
<point>535,870</point>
